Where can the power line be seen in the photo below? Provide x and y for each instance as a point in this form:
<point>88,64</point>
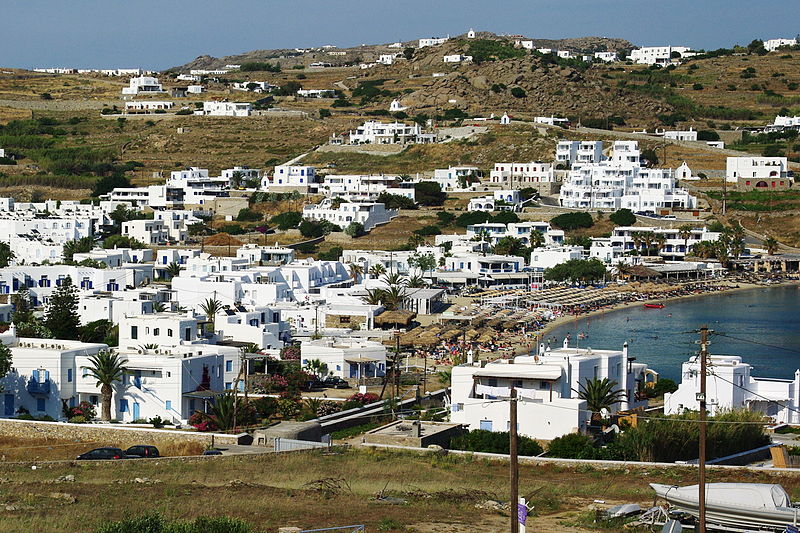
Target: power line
<point>758,343</point>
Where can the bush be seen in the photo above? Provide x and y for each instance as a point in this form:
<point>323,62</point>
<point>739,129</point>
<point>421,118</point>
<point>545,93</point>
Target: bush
<point>331,255</point>
<point>78,420</point>
<point>428,230</point>
<point>248,215</point>
<point>697,86</point>
<point>623,217</point>
<point>577,270</point>
<point>489,50</point>
<point>232,229</point>
<point>473,217</point>
<point>445,218</point>
<point>324,113</point>
<point>256,66</point>
<point>156,523</point>
<point>518,92</point>
<point>572,446</point>
<point>355,229</point>
<point>396,201</point>
<point>572,221</point>
<point>429,193</point>
<point>480,440</point>
<point>505,217</point>
<point>707,135</point>
<point>287,220</point>
<point>84,410</point>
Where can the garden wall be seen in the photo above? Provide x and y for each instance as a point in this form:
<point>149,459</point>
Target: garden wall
<point>112,434</point>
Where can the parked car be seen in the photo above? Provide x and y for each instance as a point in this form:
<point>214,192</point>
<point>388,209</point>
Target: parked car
<point>102,453</point>
<point>143,450</point>
<point>336,383</point>
<point>313,384</point>
<point>212,452</point>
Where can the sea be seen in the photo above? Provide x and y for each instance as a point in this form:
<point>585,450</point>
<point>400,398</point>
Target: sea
<point>761,325</point>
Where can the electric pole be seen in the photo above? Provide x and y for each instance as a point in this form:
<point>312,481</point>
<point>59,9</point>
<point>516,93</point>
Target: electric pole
<point>701,499</point>
<point>724,195</point>
<point>512,449</point>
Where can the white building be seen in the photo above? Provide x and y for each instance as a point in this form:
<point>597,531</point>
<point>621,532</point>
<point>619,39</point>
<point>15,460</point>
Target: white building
<point>502,200</point>
<point>571,152</point>
<point>143,84</point>
<point>255,86</point>
<point>730,385</point>
<point>621,182</point>
<point>659,55</point>
<point>551,120</point>
<point>433,41</point>
<point>524,231</point>
<point>290,176</point>
<point>226,109</point>
<point>365,187</point>
<point>674,243</point>
<point>145,106</point>
<point>607,57</point>
<point>155,232</point>
<point>535,175</point>
<point>386,59</point>
<point>773,44</point>
<point>457,58</point>
<point>377,132</point>
<point>451,179</point>
<point>265,255</point>
<point>548,382</point>
<point>396,106</point>
<point>369,214</point>
<point>781,123</point>
<point>316,93</point>
<point>346,358</point>
<point>678,135</point>
<point>757,169</point>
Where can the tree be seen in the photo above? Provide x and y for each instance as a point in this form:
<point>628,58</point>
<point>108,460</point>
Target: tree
<point>424,262</point>
<point>98,331</point>
<point>396,201</point>
<point>376,270</point>
<point>771,244</point>
<point>600,394</point>
<point>6,255</point>
<point>505,217</point>
<point>356,270</point>
<point>685,233</point>
<point>61,317</point>
<point>316,367</point>
<point>287,220</point>
<point>416,282</point>
<point>173,269</point>
<point>537,239</point>
<point>623,217</point>
<point>572,221</point>
<point>577,270</point>
<point>210,307</point>
<point>650,156</point>
<point>106,184</point>
<point>510,246</point>
<point>122,241</point>
<point>106,369</point>
<point>5,361</point>
<point>79,246</point>
<point>429,193</point>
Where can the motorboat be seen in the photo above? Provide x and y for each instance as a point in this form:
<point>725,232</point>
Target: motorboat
<point>654,306</point>
<point>747,506</point>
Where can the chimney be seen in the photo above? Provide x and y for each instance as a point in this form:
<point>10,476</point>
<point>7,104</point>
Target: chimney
<point>416,429</point>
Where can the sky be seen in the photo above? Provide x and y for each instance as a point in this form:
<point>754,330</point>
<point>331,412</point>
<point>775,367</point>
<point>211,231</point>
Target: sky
<point>157,34</point>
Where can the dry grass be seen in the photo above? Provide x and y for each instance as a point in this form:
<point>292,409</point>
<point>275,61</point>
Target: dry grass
<point>37,449</point>
<point>278,490</point>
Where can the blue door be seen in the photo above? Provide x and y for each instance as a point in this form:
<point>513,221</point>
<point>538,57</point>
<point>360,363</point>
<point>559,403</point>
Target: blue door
<point>135,411</point>
<point>8,405</point>
<point>486,425</point>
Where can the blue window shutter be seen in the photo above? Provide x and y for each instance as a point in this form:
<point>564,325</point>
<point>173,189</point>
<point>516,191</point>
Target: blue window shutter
<point>35,375</point>
<point>169,405</point>
<point>40,404</point>
<point>69,375</point>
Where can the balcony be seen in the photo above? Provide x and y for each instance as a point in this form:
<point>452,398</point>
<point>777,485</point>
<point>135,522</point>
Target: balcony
<point>35,386</point>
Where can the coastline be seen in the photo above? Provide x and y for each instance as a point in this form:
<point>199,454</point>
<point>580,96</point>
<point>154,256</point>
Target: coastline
<point>565,319</point>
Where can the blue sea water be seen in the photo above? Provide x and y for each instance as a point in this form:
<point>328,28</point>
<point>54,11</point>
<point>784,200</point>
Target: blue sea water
<point>761,325</point>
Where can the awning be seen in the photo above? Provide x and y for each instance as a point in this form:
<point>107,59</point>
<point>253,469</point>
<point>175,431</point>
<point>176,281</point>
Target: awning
<point>360,359</point>
<point>204,394</point>
<point>519,371</point>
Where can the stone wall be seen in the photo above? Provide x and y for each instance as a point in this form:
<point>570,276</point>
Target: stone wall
<point>112,434</point>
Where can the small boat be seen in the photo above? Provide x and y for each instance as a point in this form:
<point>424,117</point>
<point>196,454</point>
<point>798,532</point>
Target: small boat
<point>759,506</point>
<point>654,306</point>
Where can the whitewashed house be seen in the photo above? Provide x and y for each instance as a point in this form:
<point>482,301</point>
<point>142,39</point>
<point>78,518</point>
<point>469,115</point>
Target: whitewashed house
<point>147,106</point>
<point>678,135</point>
<point>606,57</point>
<point>547,382</point>
<point>265,255</point>
<point>502,200</point>
<point>369,214</point>
<point>757,170</point>
<point>659,55</point>
<point>346,358</point>
<point>432,41</point>
<point>457,58</point>
<point>451,179</point>
<point>365,187</point>
<point>290,176</point>
<point>377,132</point>
<point>773,44</point>
<point>534,175</point>
<point>571,152</point>
<point>731,385</point>
<point>143,84</point>
<point>226,109</point>
<point>524,231</point>
<point>676,244</point>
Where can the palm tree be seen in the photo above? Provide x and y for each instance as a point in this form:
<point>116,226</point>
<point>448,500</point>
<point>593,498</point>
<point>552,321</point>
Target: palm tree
<point>106,369</point>
<point>705,249</point>
<point>600,394</point>
<point>736,241</point>
<point>210,308</point>
<point>638,238</point>
<point>537,239</point>
<point>173,269</point>
<point>393,297</point>
<point>316,367</point>
<point>685,232</point>
<point>416,282</point>
<point>374,297</point>
<point>376,270</point>
<point>158,307</point>
<point>647,239</point>
<point>355,271</point>
<point>660,242</point>
<point>771,244</point>
<point>622,269</point>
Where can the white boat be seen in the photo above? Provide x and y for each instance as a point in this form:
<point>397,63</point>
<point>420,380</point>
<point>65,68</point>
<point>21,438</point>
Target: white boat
<point>748,506</point>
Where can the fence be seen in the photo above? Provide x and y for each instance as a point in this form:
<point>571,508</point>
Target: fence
<point>343,529</point>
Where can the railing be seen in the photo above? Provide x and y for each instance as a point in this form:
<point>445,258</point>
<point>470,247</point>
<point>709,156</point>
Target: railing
<point>286,445</point>
<point>38,387</point>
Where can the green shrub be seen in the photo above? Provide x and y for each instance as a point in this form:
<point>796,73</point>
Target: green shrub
<point>256,66</point>
<point>428,230</point>
<point>396,201</point>
<point>333,254</point>
<point>248,215</point>
<point>445,218</point>
<point>623,217</point>
<point>232,229</point>
<point>577,270</point>
<point>505,217</point>
<point>480,440</point>
<point>471,218</point>
<point>287,220</point>
<point>697,86</point>
<point>489,50</point>
<point>572,221</point>
<point>156,523</point>
<point>572,446</point>
<point>429,193</point>
<point>355,229</point>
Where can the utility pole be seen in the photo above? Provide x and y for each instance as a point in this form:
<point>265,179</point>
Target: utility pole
<point>514,466</point>
<point>701,499</point>
<point>724,195</point>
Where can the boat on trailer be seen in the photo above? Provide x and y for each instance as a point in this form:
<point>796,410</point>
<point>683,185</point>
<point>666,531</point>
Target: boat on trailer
<point>736,506</point>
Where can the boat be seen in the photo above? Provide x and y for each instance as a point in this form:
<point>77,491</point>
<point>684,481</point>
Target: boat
<point>759,506</point>
<point>654,306</point>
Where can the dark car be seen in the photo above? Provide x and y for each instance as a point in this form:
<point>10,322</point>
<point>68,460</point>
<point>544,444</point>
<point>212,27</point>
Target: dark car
<point>143,450</point>
<point>102,453</point>
<point>212,452</point>
<point>313,384</point>
<point>336,383</point>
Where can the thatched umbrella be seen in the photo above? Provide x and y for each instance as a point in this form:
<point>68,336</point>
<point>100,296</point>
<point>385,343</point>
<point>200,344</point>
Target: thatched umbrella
<point>395,318</point>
